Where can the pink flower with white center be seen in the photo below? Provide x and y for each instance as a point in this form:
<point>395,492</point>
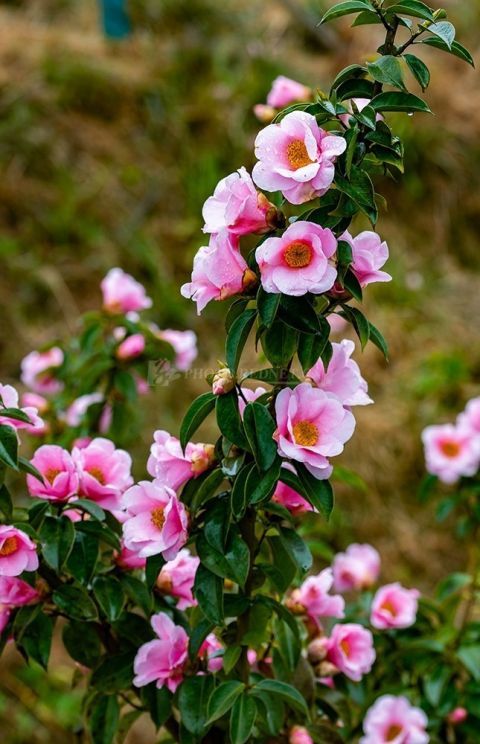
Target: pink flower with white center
<point>219,271</point>
<point>289,498</point>
<point>9,399</point>
<point>76,411</point>
<point>104,472</point>
<point>296,157</point>
<point>469,419</point>
<point>238,207</point>
<point>60,477</point>
<point>394,606</point>
<point>350,648</point>
<point>250,396</point>
<point>18,552</point>
<point>369,255</point>
<point>313,599</point>
<point>342,378</point>
<point>172,467</point>
<point>163,660</point>
<point>177,578</point>
<point>132,347</point>
<point>184,344</point>
<point>157,521</point>
<point>297,262</point>
<point>129,560</point>
<point>285,90</point>
<point>393,720</point>
<point>299,735</point>
<point>212,651</point>
<point>122,293</point>
<point>450,452</point>
<point>357,568</point>
<point>311,426</point>
<point>38,371</point>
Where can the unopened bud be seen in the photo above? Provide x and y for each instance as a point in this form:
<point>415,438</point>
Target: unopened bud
<point>317,650</point>
<point>439,14</point>
<point>249,280</point>
<point>295,607</point>
<point>458,715</point>
<point>325,669</point>
<point>223,381</point>
<point>264,113</point>
<point>203,458</point>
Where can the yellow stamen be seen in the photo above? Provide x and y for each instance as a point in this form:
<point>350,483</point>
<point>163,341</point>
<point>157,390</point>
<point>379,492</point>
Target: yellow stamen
<point>297,154</point>
<point>393,732</point>
<point>305,434</point>
<point>158,517</point>
<point>298,255</point>
<point>97,474</point>
<point>450,449</point>
<point>9,546</point>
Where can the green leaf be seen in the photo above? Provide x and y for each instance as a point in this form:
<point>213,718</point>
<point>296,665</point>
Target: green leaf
<point>200,630</point>
<point>377,338</point>
<point>207,488</point>
<point>192,703</point>
<point>444,31</point>
<point>109,595</point>
<point>83,558</point>
<point>104,719</point>
<point>418,69</point>
<point>230,658</point>
<point>229,420</point>
<point>359,188</point>
<point>470,658</point>
<point>216,524</point>
<point>232,564</point>
<point>351,72</point>
<point>351,283</point>
<point>223,698</point>
<point>114,672</point>
<point>36,639</point>
<point>242,719</point>
<point>297,548</point>
<point>451,585</point>
<point>368,17</point>
<point>413,8</point>
<point>9,446</point>
<point>279,344</point>
<point>359,322</point>
<point>267,304</point>
<point>239,495</point>
<point>100,531</point>
<point>399,102</point>
<point>286,692</point>
<point>236,308</point>
<point>74,602</point>
<point>271,377</point>
<point>260,487</point>
<point>319,493</point>
<point>435,683</point>
<point>208,591</point>
<point>345,8</point>
<point>282,569</point>
<point>153,567</point>
<point>356,88</point>
<point>387,70</point>
<point>82,642</point>
<point>237,338</point>
<point>457,49</point>
<point>6,506</point>
<point>310,348</point>
<point>137,592</point>
<point>57,536</point>
<point>124,383</point>
<point>259,428</point>
<point>299,314</point>
<point>198,411</point>
<point>16,414</point>
<point>158,703</point>
<point>91,508</point>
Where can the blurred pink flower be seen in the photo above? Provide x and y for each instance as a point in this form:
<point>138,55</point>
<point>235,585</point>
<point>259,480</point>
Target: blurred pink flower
<point>38,371</point>
<point>129,560</point>
<point>469,419</point>
<point>393,720</point>
<point>77,410</point>
<point>311,426</point>
<point>285,90</point>
<point>177,578</point>
<point>350,648</point>
<point>210,651</point>
<point>9,399</point>
<point>60,477</point>
<point>18,552</point>
<point>219,271</point>
<point>299,735</point>
<point>297,262</point>
<point>356,569</point>
<point>133,346</point>
<point>296,157</point>
<point>369,255</point>
<point>451,452</point>
<point>184,345</point>
<point>162,660</point>
<point>104,472</point>
<point>172,467</point>
<point>313,599</point>
<point>122,293</point>
<point>237,206</point>
<point>342,378</point>
<point>394,606</point>
<point>458,715</point>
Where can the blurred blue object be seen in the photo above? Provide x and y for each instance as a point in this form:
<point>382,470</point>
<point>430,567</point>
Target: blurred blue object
<point>115,19</point>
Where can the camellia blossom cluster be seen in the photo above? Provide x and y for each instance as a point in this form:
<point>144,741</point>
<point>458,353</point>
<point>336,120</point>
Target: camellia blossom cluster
<point>452,451</point>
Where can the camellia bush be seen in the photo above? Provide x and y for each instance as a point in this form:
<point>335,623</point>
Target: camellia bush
<point>185,596</point>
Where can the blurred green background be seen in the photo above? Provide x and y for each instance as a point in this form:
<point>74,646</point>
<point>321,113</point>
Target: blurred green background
<point>108,150</point>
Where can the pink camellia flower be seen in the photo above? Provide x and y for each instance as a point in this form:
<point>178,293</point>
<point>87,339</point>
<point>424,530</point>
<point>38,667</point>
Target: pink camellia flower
<point>177,578</point>
<point>133,346</point>
<point>285,90</point>
<point>219,271</point>
<point>350,648</point>
<point>162,660</point>
<point>289,498</point>
<point>336,323</point>
<point>184,345</point>
<point>238,207</point>
<point>311,426</point>
<point>172,467</point>
<point>393,720</point>
<point>357,568</point>
<point>38,371</point>
<point>60,477</point>
<point>297,262</point>
<point>469,419</point>
<point>157,521</point>
<point>394,606</point>
<point>9,399</point>
<point>296,157</point>
<point>129,560</point>
<point>342,378</point>
<point>104,472</point>
<point>299,735</point>
<point>210,651</point>
<point>34,400</point>
<point>312,598</point>
<point>14,593</point>
<point>122,293</point>
<point>249,396</point>
<point>458,715</point>
<point>450,452</point>
<point>77,410</point>
<point>369,255</point>
<point>17,552</point>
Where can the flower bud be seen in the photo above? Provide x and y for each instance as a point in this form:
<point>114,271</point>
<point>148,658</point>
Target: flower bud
<point>223,381</point>
<point>325,669</point>
<point>458,715</point>
<point>439,14</point>
<point>317,650</point>
<point>264,113</point>
<point>249,280</point>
